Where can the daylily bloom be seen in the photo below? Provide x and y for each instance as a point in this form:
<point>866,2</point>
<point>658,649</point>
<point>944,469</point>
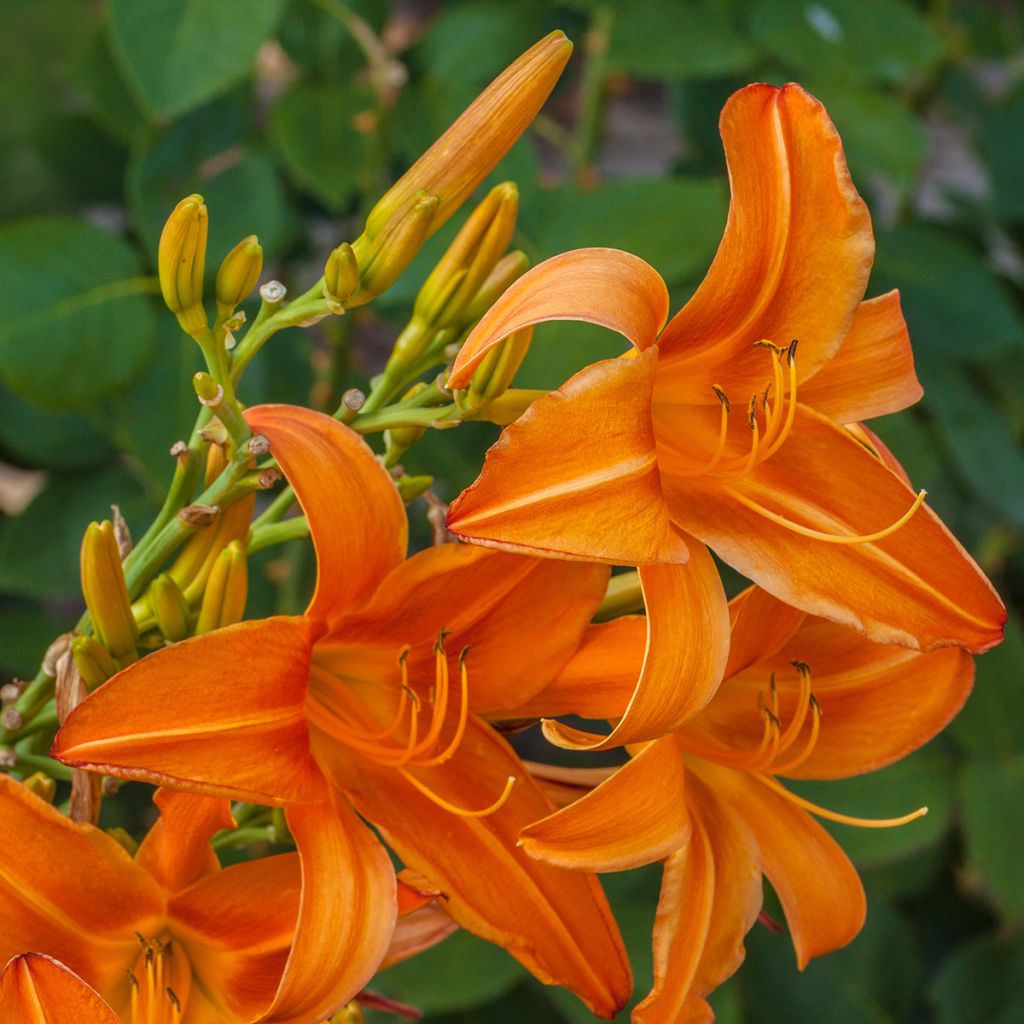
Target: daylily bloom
<point>370,699</point>
<point>36,989</point>
<point>167,936</point>
<point>803,698</point>
<point>725,430</point>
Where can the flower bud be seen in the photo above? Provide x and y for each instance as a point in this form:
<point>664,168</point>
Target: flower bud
<point>398,440</point>
<point>411,487</point>
<point>341,274</point>
<point>226,590</point>
<point>170,609</point>
<point>42,785</point>
<point>384,259</point>
<point>508,269</point>
<point>494,375</point>
<point>238,275</point>
<point>105,591</point>
<point>93,660</point>
<point>471,148</point>
<point>181,262</point>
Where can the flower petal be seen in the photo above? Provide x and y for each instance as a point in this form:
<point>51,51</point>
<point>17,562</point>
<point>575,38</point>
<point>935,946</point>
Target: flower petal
<point>683,666</point>
<point>222,714</point>
<point>796,253</point>
<point>916,587</point>
<point>418,931</point>
<point>817,885</point>
<point>760,626</point>
<point>346,915</point>
<point>635,817</point>
<point>356,518</point>
<point>36,989</point>
<point>70,891</point>
<point>557,923</point>
<point>873,372</point>
<point>176,850</point>
<point>576,475</point>
<point>608,287</point>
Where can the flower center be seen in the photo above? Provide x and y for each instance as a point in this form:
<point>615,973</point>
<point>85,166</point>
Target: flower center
<point>159,983</point>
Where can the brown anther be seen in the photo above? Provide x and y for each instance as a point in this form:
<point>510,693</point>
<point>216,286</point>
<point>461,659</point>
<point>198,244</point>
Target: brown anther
<point>175,1001</point>
<point>463,654</point>
<point>258,445</point>
<point>149,957</point>
<point>791,351</point>
<point>199,515</point>
<point>122,534</point>
<point>764,397</point>
<point>132,980</point>
<point>771,346</point>
<point>815,706</point>
<point>12,719</point>
<point>721,396</point>
<point>142,941</point>
<point>442,634</point>
<point>752,412</point>
<point>800,666</point>
<point>268,478</point>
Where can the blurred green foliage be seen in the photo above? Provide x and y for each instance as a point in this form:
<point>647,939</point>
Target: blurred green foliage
<point>290,116</point>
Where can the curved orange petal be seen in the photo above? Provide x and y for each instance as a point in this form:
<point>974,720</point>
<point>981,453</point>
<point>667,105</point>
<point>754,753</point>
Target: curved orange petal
<point>873,372</point>
<point>916,587</point>
<point>176,850</point>
<point>420,930</point>
<point>346,914</point>
<point>635,817</point>
<point>237,928</point>
<point>356,518</point>
<point>817,885</point>
<point>70,891</point>
<point>795,256</point>
<point>222,714</point>
<point>687,650</point>
<point>690,962</point>
<point>521,617</point>
<point>557,923</point>
<point>36,989</point>
<point>608,287</point>
<point>759,626</point>
<point>576,475</point>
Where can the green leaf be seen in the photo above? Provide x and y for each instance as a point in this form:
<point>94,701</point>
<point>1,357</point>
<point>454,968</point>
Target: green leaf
<point>853,39</point>
<point>981,983</point>
<point>992,723</point>
<point>312,127</point>
<point>111,102</point>
<point>28,630</point>
<point>992,794</point>
<point>75,323</point>
<point>177,54</point>
<point>206,152</point>
<point>1003,144</point>
<point>955,307</point>
<point>39,550</point>
<point>652,39</point>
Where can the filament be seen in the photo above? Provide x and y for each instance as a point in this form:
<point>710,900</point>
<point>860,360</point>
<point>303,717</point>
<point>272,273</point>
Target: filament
<point>460,811</point>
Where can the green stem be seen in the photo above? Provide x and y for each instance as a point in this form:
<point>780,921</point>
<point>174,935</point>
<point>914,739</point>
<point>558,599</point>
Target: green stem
<point>41,763</point>
<point>241,836</point>
<point>295,528</point>
<point>588,127</point>
<point>276,510</point>
<point>392,417</point>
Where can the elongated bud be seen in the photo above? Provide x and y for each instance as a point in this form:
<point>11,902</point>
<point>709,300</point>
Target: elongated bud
<point>226,590</point>
<point>508,269</point>
<point>341,275</point>
<point>181,263</point>
<point>238,275</point>
<point>411,487</point>
<point>93,660</point>
<point>470,258</point>
<point>383,260</point>
<point>208,391</point>
<point>42,785</point>
<point>493,377</point>
<point>170,609</point>
<point>471,148</point>
<point>105,591</point>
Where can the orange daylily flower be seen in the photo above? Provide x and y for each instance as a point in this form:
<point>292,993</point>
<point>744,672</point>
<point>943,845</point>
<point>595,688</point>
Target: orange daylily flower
<point>170,936</point>
<point>803,698</point>
<point>370,700</point>
<point>724,431</point>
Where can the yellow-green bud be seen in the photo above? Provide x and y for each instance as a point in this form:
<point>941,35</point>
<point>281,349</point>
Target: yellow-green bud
<point>411,487</point>
<point>508,269</point>
<point>341,274</point>
<point>105,591</point>
<point>494,375</point>
<point>181,262</point>
<point>226,590</point>
<point>124,838</point>
<point>42,785</point>
<point>238,275</point>
<point>170,609</point>
<point>208,391</point>
<point>351,1013</point>
<point>383,261</point>
<point>93,660</point>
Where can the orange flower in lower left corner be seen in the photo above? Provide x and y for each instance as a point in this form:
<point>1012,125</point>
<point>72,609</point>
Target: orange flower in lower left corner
<point>369,703</point>
<point>166,936</point>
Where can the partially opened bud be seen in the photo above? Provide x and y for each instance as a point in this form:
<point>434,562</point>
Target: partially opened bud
<point>105,591</point>
<point>238,275</point>
<point>508,269</point>
<point>382,261</point>
<point>93,660</point>
<point>471,148</point>
<point>170,609</point>
<point>494,375</point>
<point>181,262</point>
<point>226,590</point>
<point>341,274</point>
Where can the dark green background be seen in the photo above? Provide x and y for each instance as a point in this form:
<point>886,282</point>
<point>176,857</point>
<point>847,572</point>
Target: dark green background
<point>112,112</point>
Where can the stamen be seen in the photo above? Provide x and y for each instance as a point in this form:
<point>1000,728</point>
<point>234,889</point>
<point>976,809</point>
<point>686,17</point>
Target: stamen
<point>812,741</point>
<point>754,446</point>
<point>460,728</point>
<point>460,811</point>
<point>831,538</point>
<point>787,426</point>
<point>843,819</point>
<point>723,436</point>
<point>796,723</point>
<point>175,1001</point>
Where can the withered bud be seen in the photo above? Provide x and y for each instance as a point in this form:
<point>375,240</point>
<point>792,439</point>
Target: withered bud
<point>54,651</point>
<point>268,478</point>
<point>258,445</point>
<point>8,758</point>
<point>199,515</point>
<point>122,534</point>
<point>9,693</point>
<point>70,689</point>
<point>11,719</point>
<point>179,450</point>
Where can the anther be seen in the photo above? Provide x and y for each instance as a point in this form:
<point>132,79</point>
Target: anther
<point>142,941</point>
<point>132,980</point>
<point>752,412</point>
<point>172,995</point>
<point>722,397</point>
<point>791,351</point>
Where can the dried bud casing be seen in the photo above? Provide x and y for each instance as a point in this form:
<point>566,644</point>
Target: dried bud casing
<point>93,660</point>
<point>226,590</point>
<point>238,275</point>
<point>105,590</point>
<point>181,263</point>
<point>341,274</point>
<point>170,609</point>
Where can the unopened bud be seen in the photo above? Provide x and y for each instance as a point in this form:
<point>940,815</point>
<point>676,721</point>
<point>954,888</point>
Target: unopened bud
<point>384,260</point>
<point>399,439</point>
<point>508,269</point>
<point>226,590</point>
<point>411,487</point>
<point>95,665</point>
<point>181,261</point>
<point>238,275</point>
<point>170,609</point>
<point>341,275</point>
<point>105,591</point>
<point>124,838</point>
<point>348,1014</point>
<point>207,390</point>
<point>495,374</point>
<point>42,785</point>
